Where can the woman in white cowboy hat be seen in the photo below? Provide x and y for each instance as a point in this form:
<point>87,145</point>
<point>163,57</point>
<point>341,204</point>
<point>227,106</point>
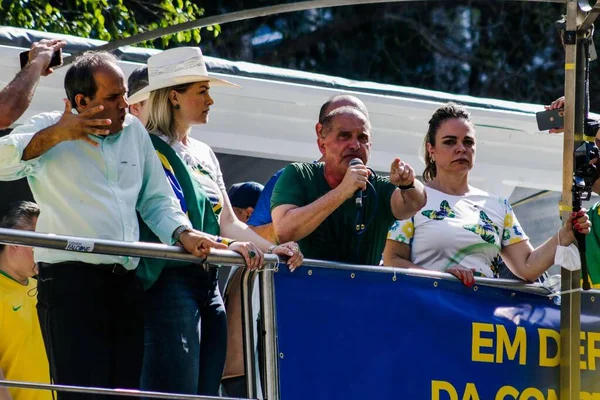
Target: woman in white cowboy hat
<point>185,322</point>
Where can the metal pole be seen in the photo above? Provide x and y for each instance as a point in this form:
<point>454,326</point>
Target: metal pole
<point>113,247</point>
<point>510,284</point>
<point>110,392</point>
<point>571,299</point>
<point>269,333</point>
<point>248,322</point>
<point>244,15</point>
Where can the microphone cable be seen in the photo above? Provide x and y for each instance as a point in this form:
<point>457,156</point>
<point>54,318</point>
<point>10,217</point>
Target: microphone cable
<point>360,228</point>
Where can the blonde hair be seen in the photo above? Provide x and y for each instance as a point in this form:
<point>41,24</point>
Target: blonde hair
<point>161,117</point>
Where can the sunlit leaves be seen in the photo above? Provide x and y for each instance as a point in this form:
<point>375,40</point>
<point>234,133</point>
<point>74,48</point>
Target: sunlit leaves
<point>105,19</point>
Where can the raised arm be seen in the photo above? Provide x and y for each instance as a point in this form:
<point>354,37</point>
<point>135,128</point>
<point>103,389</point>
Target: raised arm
<point>406,202</point>
<point>294,222</point>
<point>17,95</point>
<point>69,127</point>
<point>19,151</point>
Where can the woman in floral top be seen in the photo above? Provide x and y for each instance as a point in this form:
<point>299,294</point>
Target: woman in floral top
<point>461,229</point>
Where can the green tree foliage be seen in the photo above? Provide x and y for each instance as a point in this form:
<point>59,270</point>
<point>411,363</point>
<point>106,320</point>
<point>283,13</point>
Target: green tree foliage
<point>498,49</point>
<point>105,19</point>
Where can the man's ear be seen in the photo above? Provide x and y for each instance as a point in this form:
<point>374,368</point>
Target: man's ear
<point>321,145</point>
<point>80,102</point>
<point>318,128</point>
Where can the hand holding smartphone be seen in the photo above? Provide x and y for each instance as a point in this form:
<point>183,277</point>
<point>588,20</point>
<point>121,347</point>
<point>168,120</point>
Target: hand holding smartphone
<point>54,62</point>
<point>550,119</point>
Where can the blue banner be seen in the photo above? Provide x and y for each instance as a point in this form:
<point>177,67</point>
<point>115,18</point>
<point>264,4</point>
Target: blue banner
<point>365,335</point>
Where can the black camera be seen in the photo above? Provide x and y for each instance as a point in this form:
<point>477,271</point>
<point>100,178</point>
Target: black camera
<point>586,172</point>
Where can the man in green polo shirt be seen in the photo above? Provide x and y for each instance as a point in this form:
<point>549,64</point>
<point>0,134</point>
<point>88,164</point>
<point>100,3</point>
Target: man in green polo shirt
<point>316,205</point>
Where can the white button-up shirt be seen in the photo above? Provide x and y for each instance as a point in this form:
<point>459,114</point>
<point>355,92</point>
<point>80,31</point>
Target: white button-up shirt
<point>94,192</point>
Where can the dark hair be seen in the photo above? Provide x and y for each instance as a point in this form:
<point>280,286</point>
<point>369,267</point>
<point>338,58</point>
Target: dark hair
<point>444,113</point>
<point>79,79</point>
<point>137,80</point>
<point>357,103</point>
<point>19,215</point>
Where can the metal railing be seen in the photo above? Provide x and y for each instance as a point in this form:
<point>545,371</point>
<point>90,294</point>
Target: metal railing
<point>269,371</point>
<point>117,248</point>
<point>535,288</point>
<point>112,247</point>
<point>109,392</point>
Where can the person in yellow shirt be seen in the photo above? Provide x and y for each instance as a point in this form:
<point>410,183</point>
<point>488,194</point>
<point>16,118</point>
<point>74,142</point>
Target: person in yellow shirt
<point>22,352</point>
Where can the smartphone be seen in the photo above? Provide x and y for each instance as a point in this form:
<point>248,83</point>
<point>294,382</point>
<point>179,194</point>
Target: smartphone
<point>55,62</point>
<point>547,120</point>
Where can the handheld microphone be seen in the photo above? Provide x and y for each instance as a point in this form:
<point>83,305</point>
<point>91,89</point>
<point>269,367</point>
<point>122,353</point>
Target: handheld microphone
<point>358,196</point>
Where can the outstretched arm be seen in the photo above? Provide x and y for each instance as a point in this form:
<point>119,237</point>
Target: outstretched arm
<point>17,95</point>
<point>69,127</point>
<point>233,228</point>
<point>529,263</point>
<point>406,203</point>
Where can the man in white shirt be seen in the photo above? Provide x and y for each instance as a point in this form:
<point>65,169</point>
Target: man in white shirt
<point>89,173</point>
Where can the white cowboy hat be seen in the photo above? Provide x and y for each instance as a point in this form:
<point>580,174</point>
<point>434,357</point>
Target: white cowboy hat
<point>175,67</point>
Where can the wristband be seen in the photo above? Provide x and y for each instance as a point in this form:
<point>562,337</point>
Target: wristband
<point>406,187</point>
<point>271,248</point>
<point>225,241</point>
